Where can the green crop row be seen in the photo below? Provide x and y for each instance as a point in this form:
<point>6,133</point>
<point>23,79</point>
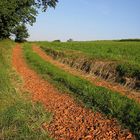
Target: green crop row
<point>110,103</point>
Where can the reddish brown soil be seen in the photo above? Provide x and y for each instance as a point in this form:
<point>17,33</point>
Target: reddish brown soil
<point>114,87</point>
<point>70,121</point>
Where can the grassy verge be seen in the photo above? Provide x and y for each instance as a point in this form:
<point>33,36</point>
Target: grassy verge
<point>110,103</point>
<point>19,117</point>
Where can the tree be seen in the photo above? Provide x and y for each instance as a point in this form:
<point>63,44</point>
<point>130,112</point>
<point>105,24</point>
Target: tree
<point>21,33</point>
<point>70,40</point>
<point>16,12</point>
<point>57,40</point>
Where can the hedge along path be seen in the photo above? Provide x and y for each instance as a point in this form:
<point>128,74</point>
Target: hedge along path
<point>70,121</point>
<point>96,81</point>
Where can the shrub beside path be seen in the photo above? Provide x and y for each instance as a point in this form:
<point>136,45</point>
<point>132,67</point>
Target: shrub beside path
<point>71,121</point>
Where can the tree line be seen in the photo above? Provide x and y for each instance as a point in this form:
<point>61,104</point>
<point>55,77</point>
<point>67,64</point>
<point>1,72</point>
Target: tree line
<point>16,14</point>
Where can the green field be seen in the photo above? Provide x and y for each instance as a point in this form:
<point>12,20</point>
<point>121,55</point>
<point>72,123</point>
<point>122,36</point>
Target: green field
<point>124,54</point>
<point>19,117</point>
<point>110,103</point>
<point>128,52</point>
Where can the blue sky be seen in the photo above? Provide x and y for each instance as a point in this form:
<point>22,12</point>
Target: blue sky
<point>88,20</point>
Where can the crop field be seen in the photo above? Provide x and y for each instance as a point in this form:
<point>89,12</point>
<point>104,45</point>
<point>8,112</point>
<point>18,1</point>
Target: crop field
<point>122,51</point>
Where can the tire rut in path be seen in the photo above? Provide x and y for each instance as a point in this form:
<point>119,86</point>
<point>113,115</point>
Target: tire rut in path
<point>93,79</point>
<point>70,121</point>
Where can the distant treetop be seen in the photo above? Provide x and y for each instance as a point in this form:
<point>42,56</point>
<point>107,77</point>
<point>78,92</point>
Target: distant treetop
<point>70,40</point>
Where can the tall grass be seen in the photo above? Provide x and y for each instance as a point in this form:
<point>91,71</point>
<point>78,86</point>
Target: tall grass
<point>110,103</point>
<point>19,117</point>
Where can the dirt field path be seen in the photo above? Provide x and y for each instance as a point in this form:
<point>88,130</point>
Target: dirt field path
<point>114,87</point>
<point>70,120</point>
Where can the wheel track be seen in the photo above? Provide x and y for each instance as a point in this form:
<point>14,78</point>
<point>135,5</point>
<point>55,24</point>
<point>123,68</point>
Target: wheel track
<point>70,121</point>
